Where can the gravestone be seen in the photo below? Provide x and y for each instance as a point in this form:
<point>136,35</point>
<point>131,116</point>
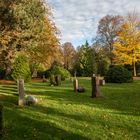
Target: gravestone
<point>44,79</point>
<point>21,99</point>
<point>1,120</point>
<point>81,89</point>
<point>75,85</point>
<point>102,82</point>
<point>31,100</point>
<point>95,86</point>
<point>58,80</point>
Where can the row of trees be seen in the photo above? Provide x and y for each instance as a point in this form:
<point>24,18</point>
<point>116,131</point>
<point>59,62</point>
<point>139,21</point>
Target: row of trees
<point>86,60</point>
<point>27,30</point>
<point>117,43</point>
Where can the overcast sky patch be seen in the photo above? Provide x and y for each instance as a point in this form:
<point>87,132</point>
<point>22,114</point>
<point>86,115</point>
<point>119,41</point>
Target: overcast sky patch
<point>78,19</point>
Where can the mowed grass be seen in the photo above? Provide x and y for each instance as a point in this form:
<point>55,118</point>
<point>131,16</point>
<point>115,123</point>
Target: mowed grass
<point>62,114</point>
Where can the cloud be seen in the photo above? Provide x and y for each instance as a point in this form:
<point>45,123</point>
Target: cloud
<point>78,19</point>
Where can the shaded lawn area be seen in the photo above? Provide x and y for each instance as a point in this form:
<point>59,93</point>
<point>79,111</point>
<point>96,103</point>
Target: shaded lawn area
<point>63,115</point>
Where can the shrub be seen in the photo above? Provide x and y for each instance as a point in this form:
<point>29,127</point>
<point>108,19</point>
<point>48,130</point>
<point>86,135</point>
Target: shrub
<point>57,70</point>
<point>40,74</point>
<point>48,73</point>
<point>118,74</point>
<point>21,69</point>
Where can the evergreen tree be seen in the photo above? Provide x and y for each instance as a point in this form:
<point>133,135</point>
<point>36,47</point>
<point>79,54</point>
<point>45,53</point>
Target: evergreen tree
<point>86,63</point>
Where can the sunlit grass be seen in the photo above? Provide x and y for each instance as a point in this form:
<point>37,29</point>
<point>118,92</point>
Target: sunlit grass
<point>62,114</point>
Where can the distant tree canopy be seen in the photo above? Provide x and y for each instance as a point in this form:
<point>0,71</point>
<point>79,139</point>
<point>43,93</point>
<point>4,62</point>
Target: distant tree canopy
<point>107,31</point>
<point>119,39</point>
<point>26,26</point>
<point>69,54</point>
<point>85,63</point>
<point>127,45</point>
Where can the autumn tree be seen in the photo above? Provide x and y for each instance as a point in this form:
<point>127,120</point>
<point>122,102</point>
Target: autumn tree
<point>8,36</point>
<point>69,54</point>
<point>27,26</point>
<point>127,45</point>
<point>107,32</point>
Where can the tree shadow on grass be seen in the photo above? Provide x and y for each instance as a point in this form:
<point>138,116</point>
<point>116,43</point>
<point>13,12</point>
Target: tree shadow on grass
<point>9,89</point>
<point>116,99</point>
<point>53,114</point>
<point>32,128</point>
<point>48,130</point>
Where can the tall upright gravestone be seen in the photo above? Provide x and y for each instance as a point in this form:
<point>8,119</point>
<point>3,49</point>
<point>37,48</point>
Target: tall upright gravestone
<point>21,99</point>
<point>75,85</point>
<point>95,86</point>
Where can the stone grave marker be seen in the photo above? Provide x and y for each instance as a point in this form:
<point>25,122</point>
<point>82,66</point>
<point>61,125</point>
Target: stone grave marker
<point>102,82</point>
<point>58,80</point>
<point>95,86</point>
<point>75,85</point>
<point>21,99</point>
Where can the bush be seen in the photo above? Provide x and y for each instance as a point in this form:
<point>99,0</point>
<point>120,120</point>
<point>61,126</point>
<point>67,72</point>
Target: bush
<point>40,74</point>
<point>57,70</point>
<point>118,74</point>
<point>21,69</point>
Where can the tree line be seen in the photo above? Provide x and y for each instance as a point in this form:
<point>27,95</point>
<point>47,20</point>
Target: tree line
<point>117,43</point>
<point>30,39</point>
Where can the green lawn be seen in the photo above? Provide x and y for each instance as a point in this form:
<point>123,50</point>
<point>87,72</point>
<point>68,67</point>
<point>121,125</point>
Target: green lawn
<point>63,115</point>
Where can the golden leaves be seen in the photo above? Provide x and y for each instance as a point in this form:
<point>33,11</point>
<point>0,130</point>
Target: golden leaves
<point>127,45</point>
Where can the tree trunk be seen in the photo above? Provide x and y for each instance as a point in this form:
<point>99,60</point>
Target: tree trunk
<point>134,69</point>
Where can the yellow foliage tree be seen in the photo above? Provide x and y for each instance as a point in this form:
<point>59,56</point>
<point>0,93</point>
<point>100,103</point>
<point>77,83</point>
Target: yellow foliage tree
<point>127,45</point>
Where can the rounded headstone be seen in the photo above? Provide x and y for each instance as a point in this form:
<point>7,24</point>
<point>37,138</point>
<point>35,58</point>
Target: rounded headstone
<point>81,89</point>
<point>31,100</point>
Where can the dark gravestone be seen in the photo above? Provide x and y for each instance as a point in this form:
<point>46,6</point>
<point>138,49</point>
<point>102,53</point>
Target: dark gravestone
<point>102,82</point>
<point>81,89</point>
<point>21,99</point>
<point>58,80</point>
<point>95,86</point>
<point>75,85</point>
<point>1,120</point>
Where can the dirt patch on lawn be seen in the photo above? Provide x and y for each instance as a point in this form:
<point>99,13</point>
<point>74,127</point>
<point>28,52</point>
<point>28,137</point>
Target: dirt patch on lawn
<point>136,78</point>
<point>6,82</point>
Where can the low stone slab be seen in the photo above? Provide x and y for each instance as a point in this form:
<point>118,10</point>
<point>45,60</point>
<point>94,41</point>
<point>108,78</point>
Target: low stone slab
<point>31,100</point>
<point>81,89</point>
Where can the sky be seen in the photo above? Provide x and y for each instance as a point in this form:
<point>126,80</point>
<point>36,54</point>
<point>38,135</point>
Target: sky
<point>78,20</point>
